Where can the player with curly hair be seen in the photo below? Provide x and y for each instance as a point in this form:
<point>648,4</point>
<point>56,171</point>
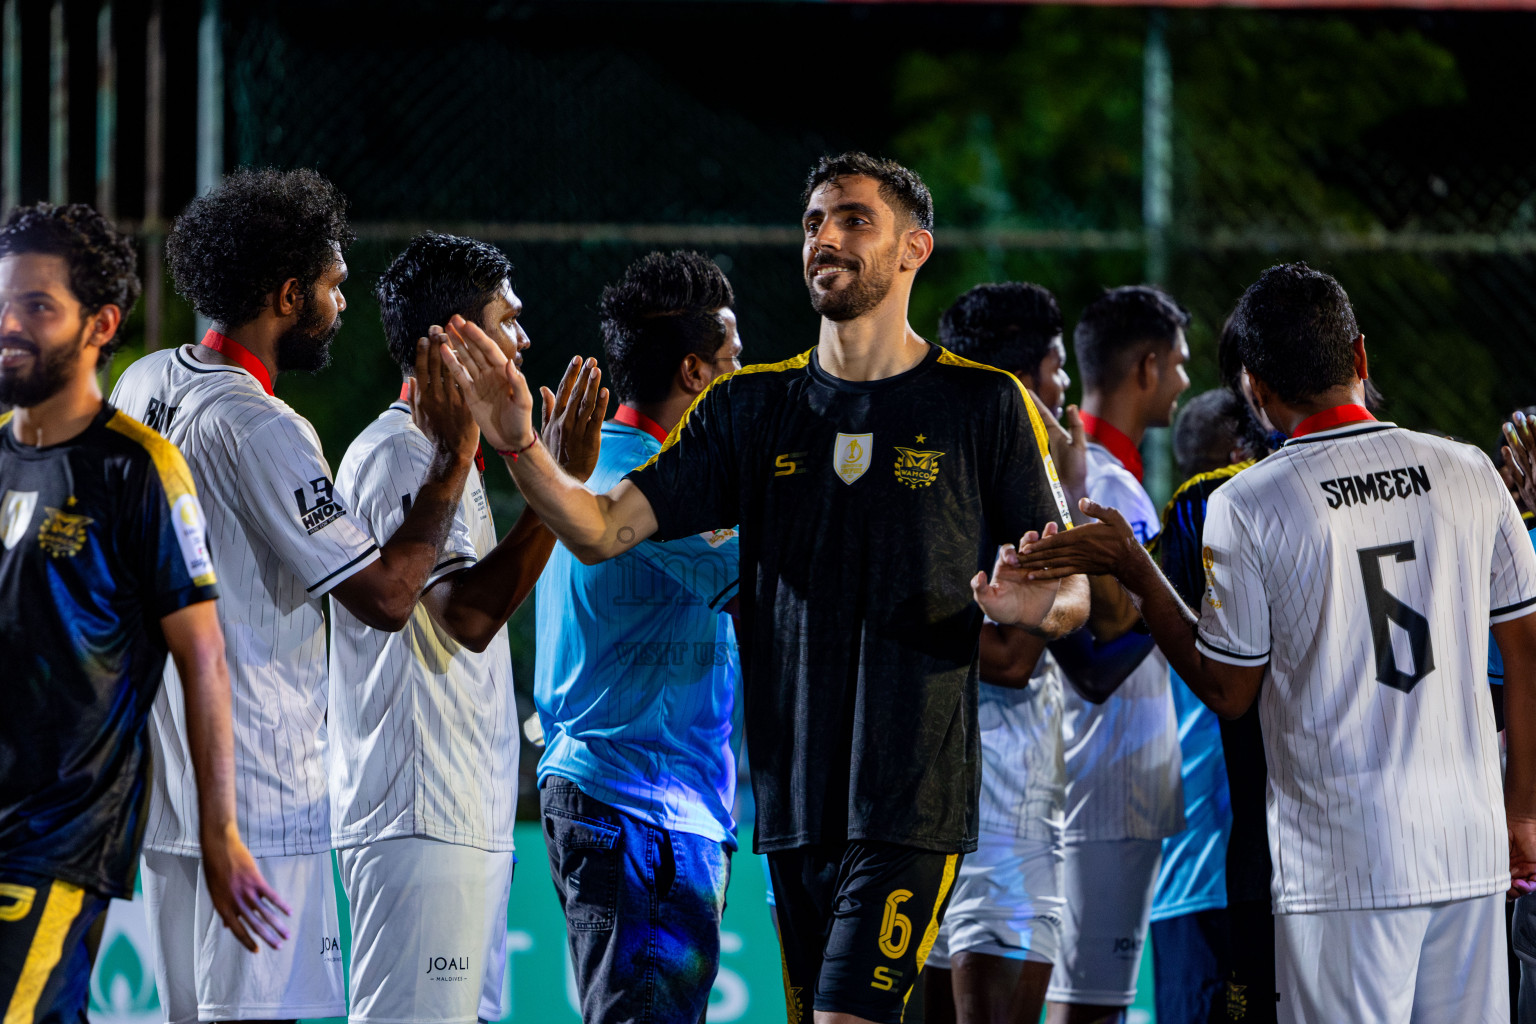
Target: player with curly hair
<point>103,572</point>
<point>261,256</point>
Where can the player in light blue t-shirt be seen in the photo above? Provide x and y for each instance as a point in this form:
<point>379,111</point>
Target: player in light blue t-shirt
<point>635,682</point>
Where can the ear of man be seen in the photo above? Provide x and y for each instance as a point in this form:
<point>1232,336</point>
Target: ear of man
<point>916,248</point>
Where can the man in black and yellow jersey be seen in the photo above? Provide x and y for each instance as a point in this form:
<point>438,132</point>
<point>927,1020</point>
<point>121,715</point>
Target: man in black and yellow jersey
<point>872,476</point>
<point>103,570</point>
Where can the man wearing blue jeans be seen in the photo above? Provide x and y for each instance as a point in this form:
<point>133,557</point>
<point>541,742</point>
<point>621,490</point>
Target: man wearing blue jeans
<point>635,684</point>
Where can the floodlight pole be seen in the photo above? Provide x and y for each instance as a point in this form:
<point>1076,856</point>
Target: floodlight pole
<point>1157,211</point>
<point>210,109</point>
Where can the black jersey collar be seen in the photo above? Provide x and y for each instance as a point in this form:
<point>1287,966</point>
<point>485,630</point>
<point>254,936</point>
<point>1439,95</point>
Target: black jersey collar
<point>839,384</point>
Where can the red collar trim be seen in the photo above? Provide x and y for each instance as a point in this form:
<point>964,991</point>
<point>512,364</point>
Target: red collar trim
<point>1330,418</point>
<point>627,415</point>
<point>241,355</point>
<point>1115,440</point>
<point>405,392</point>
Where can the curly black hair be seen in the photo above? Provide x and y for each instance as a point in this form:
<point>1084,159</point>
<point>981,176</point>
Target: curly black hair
<point>1118,328</point>
<point>664,307</point>
<point>1009,325</point>
<point>103,265</point>
<point>434,277</point>
<point>233,247</point>
<point>899,186</point>
<point>1295,330</point>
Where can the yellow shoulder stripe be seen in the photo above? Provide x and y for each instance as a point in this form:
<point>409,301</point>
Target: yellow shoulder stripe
<point>793,363</point>
<point>1221,473</point>
<point>948,358</point>
<point>175,477</point>
<point>5,417</point>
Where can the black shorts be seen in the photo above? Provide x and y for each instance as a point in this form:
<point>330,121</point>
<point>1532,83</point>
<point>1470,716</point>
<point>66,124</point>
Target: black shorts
<point>856,922</point>
<point>45,969</point>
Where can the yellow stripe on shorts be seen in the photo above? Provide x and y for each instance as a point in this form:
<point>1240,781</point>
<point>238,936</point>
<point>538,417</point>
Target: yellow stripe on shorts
<point>59,913</point>
<point>931,933</point>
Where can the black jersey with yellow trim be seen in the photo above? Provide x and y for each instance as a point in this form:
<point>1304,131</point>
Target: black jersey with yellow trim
<point>865,508</point>
<point>101,537</point>
<point>1181,553</point>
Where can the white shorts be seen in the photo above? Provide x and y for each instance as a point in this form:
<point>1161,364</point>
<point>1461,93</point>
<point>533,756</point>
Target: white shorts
<point>429,931</point>
<point>1007,902</point>
<point>1108,886</point>
<point>203,973</point>
<point>1425,965</point>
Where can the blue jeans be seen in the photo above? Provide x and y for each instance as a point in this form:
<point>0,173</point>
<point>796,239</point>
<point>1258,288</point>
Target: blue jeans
<point>642,909</point>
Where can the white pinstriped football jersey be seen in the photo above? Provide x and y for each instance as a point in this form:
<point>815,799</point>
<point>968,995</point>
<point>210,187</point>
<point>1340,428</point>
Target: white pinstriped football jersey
<point>1023,765</point>
<point>1123,760</point>
<point>1363,565</point>
<point>281,538</point>
<point>423,732</point>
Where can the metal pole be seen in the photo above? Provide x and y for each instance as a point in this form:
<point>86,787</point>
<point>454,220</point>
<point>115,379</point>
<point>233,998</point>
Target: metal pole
<point>58,107</point>
<point>10,153</point>
<point>106,113</point>
<point>210,110</point>
<point>1157,212</point>
<point>154,141</point>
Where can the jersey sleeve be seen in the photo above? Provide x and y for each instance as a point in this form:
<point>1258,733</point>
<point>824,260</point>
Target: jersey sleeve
<point>288,498</point>
<point>172,535</point>
<point>1234,611</point>
<point>1177,547</point>
<point>1514,568</point>
<point>692,483</point>
<point>707,565</point>
<point>1120,490</point>
<point>1024,492</point>
<point>384,489</point>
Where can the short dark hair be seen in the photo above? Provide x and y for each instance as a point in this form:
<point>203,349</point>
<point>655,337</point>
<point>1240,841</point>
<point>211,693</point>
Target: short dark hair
<point>1295,331</point>
<point>1118,327</point>
<point>664,307</point>
<point>103,265</point>
<point>1009,325</point>
<point>234,246</point>
<point>1209,426</point>
<point>899,186</point>
<point>434,277</point>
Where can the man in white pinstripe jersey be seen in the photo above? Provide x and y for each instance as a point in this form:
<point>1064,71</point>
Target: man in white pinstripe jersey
<point>423,731</point>
<point>260,256</point>
<point>1354,574</point>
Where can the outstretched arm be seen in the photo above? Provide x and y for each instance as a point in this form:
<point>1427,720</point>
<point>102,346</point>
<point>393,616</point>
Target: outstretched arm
<point>242,897</point>
<point>1517,642</point>
<point>595,527</point>
<point>473,605</point>
<point>1109,547</point>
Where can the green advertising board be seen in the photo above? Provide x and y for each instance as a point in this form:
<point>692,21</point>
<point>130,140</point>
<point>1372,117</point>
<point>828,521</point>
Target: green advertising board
<point>539,985</point>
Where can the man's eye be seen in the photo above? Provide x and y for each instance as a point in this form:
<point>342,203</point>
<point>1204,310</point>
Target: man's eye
<point>37,307</point>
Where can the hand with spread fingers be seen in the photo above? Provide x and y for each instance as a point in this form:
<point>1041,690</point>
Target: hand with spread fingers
<point>1107,547</point>
<point>438,407</point>
<point>1520,458</point>
<point>241,896</point>
<point>573,418</point>
<point>1010,598</point>
<point>494,389</point>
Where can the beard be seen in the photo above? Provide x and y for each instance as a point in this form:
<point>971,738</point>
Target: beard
<point>870,286</point>
<point>306,346</point>
<point>51,371</point>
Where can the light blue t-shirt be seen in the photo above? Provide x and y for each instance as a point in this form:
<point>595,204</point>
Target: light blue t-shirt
<point>1193,875</point>
<point>636,668</point>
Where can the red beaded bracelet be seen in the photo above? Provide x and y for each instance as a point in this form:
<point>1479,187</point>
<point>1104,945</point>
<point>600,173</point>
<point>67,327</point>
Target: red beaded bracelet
<point>506,454</point>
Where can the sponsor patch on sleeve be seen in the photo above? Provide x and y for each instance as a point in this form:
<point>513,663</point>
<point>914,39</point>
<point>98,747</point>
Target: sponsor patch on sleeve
<point>192,536</point>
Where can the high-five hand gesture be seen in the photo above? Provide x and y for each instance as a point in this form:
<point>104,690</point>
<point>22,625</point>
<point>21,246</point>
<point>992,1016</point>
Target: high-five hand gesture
<point>438,407</point>
<point>1105,548</point>
<point>1520,459</point>
<point>1010,597</point>
<point>573,418</point>
<point>493,388</point>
